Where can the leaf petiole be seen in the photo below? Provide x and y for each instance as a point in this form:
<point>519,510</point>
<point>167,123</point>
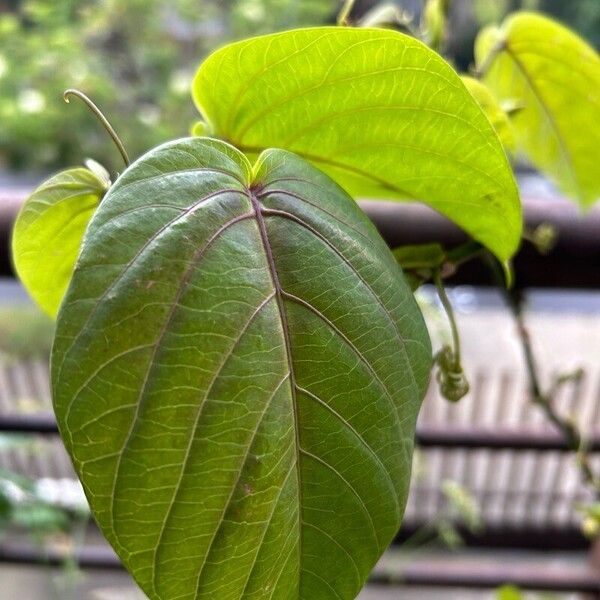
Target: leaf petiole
<point>437,279</point>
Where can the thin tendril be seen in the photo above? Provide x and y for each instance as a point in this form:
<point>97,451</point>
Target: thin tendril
<point>437,278</point>
<point>103,120</point>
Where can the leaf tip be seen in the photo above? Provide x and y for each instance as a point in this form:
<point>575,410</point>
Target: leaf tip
<point>509,275</point>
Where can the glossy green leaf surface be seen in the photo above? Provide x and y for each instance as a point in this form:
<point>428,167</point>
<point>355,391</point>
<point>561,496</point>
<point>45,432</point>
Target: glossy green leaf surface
<point>380,112</point>
<point>48,232</point>
<point>555,76</point>
<point>237,372</point>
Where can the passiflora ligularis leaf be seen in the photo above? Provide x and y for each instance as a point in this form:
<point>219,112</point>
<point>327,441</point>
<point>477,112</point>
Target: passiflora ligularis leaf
<point>554,76</point>
<point>48,232</point>
<point>378,111</point>
<point>237,371</point>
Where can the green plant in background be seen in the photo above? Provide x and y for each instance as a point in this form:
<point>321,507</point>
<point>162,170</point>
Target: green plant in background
<point>463,508</point>
<point>135,57</point>
<point>511,592</point>
<point>22,507</point>
<point>239,360</point>
<point>459,509</point>
<point>516,61</point>
<point>25,332</point>
<point>33,508</point>
<point>25,506</point>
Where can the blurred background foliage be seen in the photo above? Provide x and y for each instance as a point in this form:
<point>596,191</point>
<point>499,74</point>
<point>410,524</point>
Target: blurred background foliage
<point>25,332</point>
<point>136,58</point>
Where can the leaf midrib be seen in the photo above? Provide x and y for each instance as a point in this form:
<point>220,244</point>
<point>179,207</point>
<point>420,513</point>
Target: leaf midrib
<point>294,218</point>
<point>264,238</point>
<point>550,118</point>
<point>291,217</point>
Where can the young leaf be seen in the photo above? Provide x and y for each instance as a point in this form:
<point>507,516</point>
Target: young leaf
<point>555,76</point>
<point>378,111</point>
<point>48,231</point>
<point>420,256</point>
<point>493,110</point>
<point>237,371</point>
<point>435,17</point>
<point>509,592</point>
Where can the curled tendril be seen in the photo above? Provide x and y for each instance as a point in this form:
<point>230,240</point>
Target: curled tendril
<point>100,116</point>
<point>450,376</point>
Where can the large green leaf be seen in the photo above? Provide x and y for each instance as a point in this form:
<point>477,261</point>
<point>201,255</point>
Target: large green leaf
<point>48,231</point>
<point>237,371</point>
<point>555,76</point>
<point>377,110</point>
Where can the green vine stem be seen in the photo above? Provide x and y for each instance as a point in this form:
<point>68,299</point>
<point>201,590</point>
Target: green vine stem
<point>545,399</point>
<point>344,14</point>
<point>450,360</point>
<point>100,116</point>
<point>441,290</point>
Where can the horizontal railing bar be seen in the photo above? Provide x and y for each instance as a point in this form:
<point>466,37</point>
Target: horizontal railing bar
<point>421,572</point>
<point>546,537</point>
<point>428,436</point>
<point>43,423</point>
<point>574,260</point>
<point>496,438</point>
<point>572,263</point>
<point>528,576</point>
<point>87,557</point>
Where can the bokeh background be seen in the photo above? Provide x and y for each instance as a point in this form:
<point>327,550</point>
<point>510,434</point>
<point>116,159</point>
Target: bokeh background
<point>136,59</point>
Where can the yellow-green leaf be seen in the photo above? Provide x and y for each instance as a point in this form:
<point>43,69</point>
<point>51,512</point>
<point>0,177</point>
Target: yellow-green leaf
<point>555,76</point>
<point>497,116</point>
<point>378,111</point>
<point>48,232</point>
